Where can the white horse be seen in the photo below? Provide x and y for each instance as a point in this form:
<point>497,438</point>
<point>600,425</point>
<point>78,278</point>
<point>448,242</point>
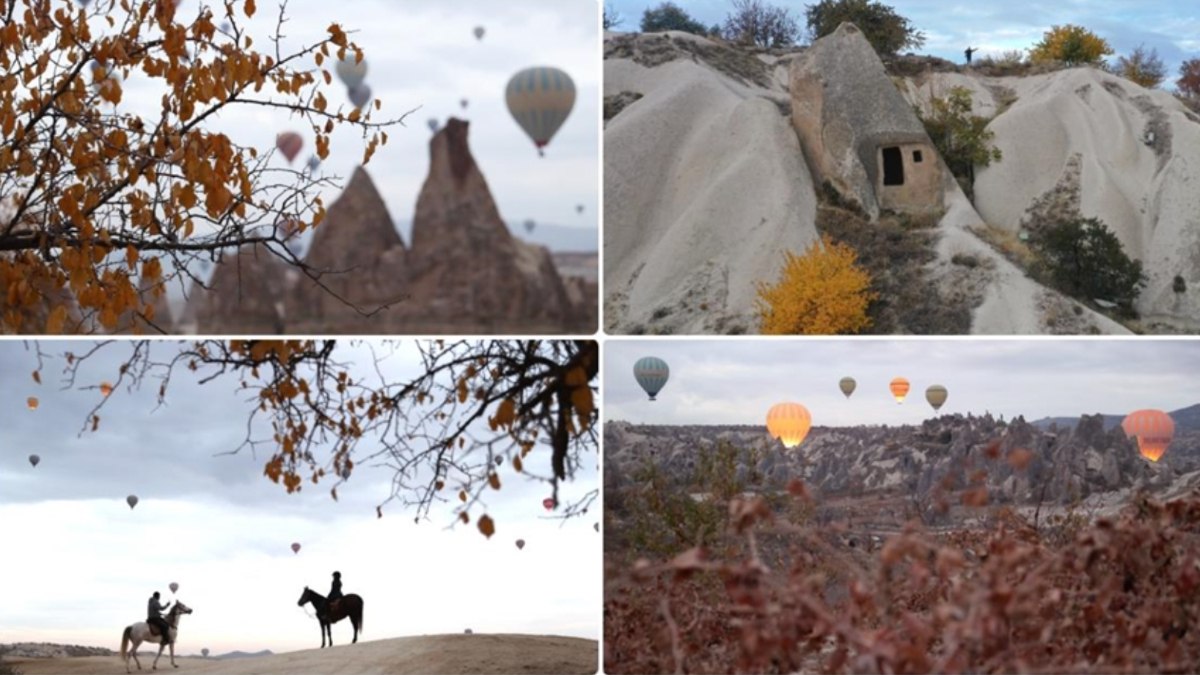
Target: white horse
<point>140,632</point>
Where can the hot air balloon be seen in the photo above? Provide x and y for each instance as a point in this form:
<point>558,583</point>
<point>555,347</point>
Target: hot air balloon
<point>360,95</point>
<point>540,99</point>
<point>105,388</point>
<point>351,73</point>
<point>289,143</point>
<point>899,387</point>
<point>847,385</point>
<point>521,544</point>
<point>651,373</point>
<point>789,422</point>
<point>1153,430</point>
<point>530,224</point>
<point>131,500</point>
<point>296,547</point>
<point>596,526</point>
<point>464,103</point>
<point>314,163</point>
<point>31,403</point>
<point>433,124</point>
<point>579,209</point>
<point>173,586</point>
<point>936,395</point>
<point>549,503</point>
<point>35,460</point>
<point>204,652</point>
<point>479,31</point>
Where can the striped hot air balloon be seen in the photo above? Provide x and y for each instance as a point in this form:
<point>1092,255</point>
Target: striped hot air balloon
<point>789,422</point>
<point>540,99</point>
<point>651,373</point>
<point>1153,430</point>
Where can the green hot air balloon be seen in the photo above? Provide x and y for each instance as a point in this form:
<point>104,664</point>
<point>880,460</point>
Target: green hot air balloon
<point>651,373</point>
<point>936,395</point>
<point>847,385</point>
<point>540,99</point>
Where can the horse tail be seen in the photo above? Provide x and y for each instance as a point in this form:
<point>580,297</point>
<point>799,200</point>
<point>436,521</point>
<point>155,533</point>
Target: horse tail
<point>125,641</point>
<point>358,619</point>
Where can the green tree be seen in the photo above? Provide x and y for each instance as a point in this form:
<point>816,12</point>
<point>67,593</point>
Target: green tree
<point>1142,67</point>
<point>1071,45</point>
<point>1086,260</point>
<point>755,22</point>
<point>962,139</point>
<point>887,31</point>
<point>669,16</point>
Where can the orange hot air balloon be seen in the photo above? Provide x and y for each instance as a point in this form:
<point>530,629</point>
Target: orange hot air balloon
<point>106,388</point>
<point>1153,430</point>
<point>899,387</point>
<point>789,422</point>
<point>32,402</point>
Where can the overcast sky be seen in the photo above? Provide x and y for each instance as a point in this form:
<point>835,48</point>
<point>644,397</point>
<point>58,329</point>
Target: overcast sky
<point>737,381</point>
<point>1172,27</point>
<point>422,54</point>
<point>79,564</point>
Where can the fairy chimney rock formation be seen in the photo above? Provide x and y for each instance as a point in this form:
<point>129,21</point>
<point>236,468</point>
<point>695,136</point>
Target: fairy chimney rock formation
<point>858,133</point>
<point>466,267</point>
<point>357,262</point>
<point>245,296</point>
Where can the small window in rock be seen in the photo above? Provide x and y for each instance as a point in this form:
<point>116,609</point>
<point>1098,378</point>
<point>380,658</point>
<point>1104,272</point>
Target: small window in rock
<point>917,158</point>
<point>893,167</point>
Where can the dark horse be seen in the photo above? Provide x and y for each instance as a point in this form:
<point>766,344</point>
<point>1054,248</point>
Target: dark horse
<point>349,606</point>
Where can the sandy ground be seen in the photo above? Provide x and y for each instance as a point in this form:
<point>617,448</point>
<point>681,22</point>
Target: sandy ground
<point>445,654</point>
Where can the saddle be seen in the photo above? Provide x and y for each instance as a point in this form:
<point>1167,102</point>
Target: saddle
<point>333,605</point>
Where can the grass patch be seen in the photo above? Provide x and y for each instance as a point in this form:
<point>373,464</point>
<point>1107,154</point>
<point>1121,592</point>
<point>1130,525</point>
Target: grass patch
<point>895,251</point>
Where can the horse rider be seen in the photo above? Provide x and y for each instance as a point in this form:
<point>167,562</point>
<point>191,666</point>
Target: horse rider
<point>335,591</point>
<point>155,618</point>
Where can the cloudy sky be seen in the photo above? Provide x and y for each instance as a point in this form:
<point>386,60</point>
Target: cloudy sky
<point>423,55</point>
<point>79,564</point>
<point>1170,26</point>
<point>737,381</point>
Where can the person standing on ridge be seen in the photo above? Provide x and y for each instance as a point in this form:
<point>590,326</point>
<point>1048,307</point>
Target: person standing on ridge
<point>969,51</point>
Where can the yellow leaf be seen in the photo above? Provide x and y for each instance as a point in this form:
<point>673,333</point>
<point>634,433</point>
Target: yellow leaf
<point>462,495</point>
<point>517,463</point>
<point>131,257</point>
<point>486,526</point>
<point>250,8</point>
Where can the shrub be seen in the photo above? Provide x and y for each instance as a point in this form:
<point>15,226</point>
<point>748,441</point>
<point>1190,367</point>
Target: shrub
<point>1189,78</point>
<point>754,22</point>
<point>669,16</point>
<point>1179,285</point>
<point>1142,67</point>
<point>1071,45</point>
<point>821,292</point>
<point>1085,259</point>
<point>962,139</point>
<point>887,31</point>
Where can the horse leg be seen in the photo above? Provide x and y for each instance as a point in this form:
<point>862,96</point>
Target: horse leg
<point>173,654</point>
<point>329,629</point>
<point>161,646</point>
<point>136,643</point>
<point>321,626</point>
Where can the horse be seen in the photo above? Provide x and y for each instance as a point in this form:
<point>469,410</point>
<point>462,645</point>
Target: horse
<point>349,606</point>
<point>140,632</point>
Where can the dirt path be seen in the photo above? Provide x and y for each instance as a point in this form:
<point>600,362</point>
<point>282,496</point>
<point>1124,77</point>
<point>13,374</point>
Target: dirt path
<point>448,654</point>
